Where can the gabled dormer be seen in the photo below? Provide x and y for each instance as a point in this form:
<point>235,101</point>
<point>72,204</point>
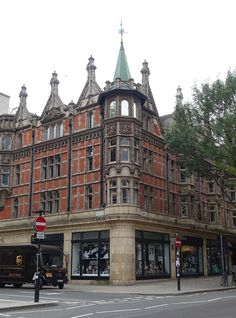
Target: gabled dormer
<point>54,108</point>
<point>53,113</point>
<point>91,90</point>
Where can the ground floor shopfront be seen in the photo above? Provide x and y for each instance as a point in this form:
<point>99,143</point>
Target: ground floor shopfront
<point>123,252</point>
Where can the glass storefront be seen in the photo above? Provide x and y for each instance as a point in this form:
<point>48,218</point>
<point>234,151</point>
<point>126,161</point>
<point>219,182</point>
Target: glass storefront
<point>152,255</point>
<point>214,259</point>
<point>90,255</point>
<point>191,257</point>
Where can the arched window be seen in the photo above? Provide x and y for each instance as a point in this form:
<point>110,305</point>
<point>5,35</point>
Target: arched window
<point>135,110</point>
<point>113,108</point>
<point>124,108</point>
<point>90,119</point>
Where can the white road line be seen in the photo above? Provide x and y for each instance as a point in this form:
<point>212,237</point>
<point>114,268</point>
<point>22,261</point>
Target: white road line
<point>150,307</point>
<point>85,315</point>
<point>215,299</point>
<point>5,315</point>
<point>82,306</point>
<point>190,302</point>
<point>114,311</point>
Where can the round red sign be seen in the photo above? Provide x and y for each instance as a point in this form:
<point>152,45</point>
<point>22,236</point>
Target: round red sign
<point>40,223</point>
<point>178,242</point>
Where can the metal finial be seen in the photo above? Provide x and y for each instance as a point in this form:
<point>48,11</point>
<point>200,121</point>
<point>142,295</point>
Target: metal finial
<point>121,31</point>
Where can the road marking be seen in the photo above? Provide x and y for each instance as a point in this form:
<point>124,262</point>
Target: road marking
<point>82,306</point>
<point>150,307</point>
<point>84,315</point>
<point>114,311</point>
<point>190,302</point>
<point>5,315</point>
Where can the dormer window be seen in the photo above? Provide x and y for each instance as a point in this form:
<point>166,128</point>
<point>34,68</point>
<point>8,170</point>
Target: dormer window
<point>124,108</point>
<point>90,119</point>
<point>112,108</point>
<point>54,131</point>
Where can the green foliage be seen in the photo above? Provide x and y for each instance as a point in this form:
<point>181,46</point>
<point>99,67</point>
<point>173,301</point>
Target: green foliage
<point>204,132</point>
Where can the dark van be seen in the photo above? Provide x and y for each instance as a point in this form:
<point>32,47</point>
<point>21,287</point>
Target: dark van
<point>18,265</point>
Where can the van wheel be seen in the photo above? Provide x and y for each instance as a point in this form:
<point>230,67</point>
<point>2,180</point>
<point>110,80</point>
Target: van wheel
<point>61,285</point>
<point>17,285</point>
<point>2,285</point>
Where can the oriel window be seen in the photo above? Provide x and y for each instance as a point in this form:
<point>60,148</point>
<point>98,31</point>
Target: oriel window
<point>113,191</point>
<point>113,108</point>
<point>124,108</point>
<point>112,150</point>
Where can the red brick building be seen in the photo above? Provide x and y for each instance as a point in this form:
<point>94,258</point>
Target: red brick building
<point>112,194</point>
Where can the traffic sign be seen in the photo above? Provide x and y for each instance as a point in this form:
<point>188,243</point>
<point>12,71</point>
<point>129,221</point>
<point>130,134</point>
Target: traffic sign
<point>40,223</point>
<point>178,242</point>
<point>40,235</point>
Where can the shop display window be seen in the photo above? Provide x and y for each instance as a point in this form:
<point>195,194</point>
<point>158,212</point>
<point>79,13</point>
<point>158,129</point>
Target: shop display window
<point>214,260</point>
<point>152,255</point>
<point>191,260</point>
<point>90,255</point>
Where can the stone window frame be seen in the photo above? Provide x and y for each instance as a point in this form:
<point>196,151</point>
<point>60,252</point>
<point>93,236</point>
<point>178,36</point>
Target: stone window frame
<point>113,111</point>
<point>18,174</point>
<point>212,212</point>
<point>54,130</point>
<point>16,207</point>
<point>5,176</point>
<point>51,167</point>
<point>50,201</point>
<point>234,217</point>
<point>125,191</point>
<point>183,174</point>
<point>125,149</point>
<point>90,119</point>
<point>89,159</point>
<point>112,150</point>
<point>89,196</point>
<point>6,142</point>
<point>184,211</point>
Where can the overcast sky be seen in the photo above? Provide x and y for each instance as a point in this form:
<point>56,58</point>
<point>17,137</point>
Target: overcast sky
<point>184,41</point>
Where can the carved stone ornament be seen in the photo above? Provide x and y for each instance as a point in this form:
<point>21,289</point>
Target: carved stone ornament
<point>111,130</point>
<point>125,128</point>
<point>6,159</point>
<point>52,114</point>
<point>137,132</point>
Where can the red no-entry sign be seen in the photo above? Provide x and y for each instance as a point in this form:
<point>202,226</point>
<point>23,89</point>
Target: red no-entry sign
<point>178,242</point>
<point>40,223</point>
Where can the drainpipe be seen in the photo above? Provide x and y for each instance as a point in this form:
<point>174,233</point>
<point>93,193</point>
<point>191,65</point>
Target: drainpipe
<point>69,163</point>
<point>31,173</point>
<point>167,183</point>
<point>102,160</point>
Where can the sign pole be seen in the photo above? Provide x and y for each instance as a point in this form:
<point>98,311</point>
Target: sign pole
<point>178,244</point>
<point>36,289</point>
<point>39,226</point>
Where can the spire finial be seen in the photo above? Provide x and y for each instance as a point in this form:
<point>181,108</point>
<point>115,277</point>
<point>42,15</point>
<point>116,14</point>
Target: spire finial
<point>179,96</point>
<point>121,32</point>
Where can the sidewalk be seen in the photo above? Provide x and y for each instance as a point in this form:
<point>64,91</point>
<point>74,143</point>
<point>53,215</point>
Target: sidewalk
<point>162,287</point>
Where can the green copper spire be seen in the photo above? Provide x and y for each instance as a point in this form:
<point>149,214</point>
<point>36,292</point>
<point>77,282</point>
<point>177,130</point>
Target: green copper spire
<point>122,68</point>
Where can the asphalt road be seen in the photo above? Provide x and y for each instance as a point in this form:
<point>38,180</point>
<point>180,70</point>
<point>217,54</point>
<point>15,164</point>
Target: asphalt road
<point>77,304</point>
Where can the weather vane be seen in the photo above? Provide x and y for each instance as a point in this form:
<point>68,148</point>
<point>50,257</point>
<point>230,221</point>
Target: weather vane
<point>121,31</point>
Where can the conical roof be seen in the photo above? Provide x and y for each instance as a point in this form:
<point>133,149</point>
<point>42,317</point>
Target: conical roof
<point>122,68</point>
